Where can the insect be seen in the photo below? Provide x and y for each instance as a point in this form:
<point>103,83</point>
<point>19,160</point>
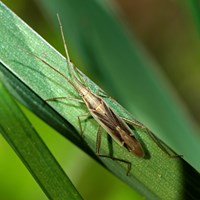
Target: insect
<point>104,115</point>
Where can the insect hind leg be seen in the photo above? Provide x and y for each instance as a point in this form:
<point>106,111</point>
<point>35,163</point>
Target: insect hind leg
<point>98,146</point>
<point>164,147</point>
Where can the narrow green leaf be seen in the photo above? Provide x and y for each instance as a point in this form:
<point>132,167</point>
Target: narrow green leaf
<point>32,151</point>
<point>155,176</point>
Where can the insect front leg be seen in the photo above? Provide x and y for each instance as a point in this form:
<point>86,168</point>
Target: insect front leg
<point>101,93</point>
<point>74,99</point>
<point>59,98</point>
<point>98,146</point>
<point>164,147</point>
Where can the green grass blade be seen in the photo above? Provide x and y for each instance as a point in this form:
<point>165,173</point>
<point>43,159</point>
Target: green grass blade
<point>32,151</point>
<point>156,176</point>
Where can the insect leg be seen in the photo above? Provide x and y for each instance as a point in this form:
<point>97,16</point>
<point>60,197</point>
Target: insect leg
<point>134,123</point>
<point>98,146</point>
<point>58,98</point>
<point>164,147</point>
<point>101,93</point>
<point>74,99</point>
<point>79,122</point>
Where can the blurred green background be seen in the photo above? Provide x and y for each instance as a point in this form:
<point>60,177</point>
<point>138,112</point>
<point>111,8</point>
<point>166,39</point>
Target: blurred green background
<point>168,32</point>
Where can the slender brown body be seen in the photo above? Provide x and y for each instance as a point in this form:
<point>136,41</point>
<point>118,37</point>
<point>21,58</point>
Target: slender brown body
<point>106,117</point>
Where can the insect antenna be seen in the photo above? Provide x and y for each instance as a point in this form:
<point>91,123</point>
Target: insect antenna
<point>63,38</point>
<point>55,70</point>
<point>71,65</point>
